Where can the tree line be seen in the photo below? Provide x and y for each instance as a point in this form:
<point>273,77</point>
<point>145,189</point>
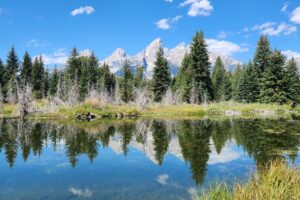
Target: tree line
<point>267,78</point>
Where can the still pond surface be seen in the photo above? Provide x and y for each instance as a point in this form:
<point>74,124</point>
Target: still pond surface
<point>143,159</point>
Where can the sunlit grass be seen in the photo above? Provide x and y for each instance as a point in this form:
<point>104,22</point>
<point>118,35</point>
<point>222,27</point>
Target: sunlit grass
<point>277,182</point>
<point>104,110</point>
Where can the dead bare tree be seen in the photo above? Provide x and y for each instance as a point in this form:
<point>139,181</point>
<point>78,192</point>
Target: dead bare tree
<point>142,98</point>
<point>25,100</point>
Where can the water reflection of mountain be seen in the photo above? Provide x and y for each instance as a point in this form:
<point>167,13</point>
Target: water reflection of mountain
<point>198,143</point>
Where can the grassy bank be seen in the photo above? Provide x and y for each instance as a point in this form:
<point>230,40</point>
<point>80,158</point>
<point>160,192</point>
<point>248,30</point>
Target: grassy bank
<point>278,182</point>
<point>43,109</point>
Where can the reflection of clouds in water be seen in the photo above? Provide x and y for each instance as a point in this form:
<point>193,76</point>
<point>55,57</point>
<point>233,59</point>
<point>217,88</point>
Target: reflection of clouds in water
<point>193,193</point>
<point>162,179</point>
<point>63,165</point>
<point>227,154</point>
<point>85,193</point>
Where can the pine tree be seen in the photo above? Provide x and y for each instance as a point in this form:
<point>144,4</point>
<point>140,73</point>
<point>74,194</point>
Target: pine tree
<point>84,78</point>
<point>272,85</point>
<point>93,70</point>
<point>26,68</point>
<point>248,85</point>
<point>161,76</point>
<point>46,83</point>
<point>227,87</point>
<point>139,77</point>
<point>235,80</point>
<point>12,64</point>
<point>73,67</point>
<point>220,81</point>
<point>127,84</point>
<point>2,76</point>
<point>183,80</point>
<point>107,80</point>
<point>200,68</point>
<point>262,56</point>
<point>292,81</point>
<point>37,77</point>
<point>54,81</point>
<point>11,75</point>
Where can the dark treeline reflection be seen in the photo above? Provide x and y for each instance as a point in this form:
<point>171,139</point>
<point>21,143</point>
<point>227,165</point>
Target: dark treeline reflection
<point>263,140</point>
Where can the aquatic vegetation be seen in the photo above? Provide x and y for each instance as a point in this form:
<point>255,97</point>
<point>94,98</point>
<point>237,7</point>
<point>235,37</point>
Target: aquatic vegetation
<point>277,181</point>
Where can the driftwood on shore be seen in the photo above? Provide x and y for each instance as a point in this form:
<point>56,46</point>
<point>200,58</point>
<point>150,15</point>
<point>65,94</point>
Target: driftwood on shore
<point>86,117</point>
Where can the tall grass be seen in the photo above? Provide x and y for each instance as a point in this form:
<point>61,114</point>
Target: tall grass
<point>277,182</point>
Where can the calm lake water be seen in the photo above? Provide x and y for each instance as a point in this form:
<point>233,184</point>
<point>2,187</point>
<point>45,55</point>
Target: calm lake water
<point>143,159</point>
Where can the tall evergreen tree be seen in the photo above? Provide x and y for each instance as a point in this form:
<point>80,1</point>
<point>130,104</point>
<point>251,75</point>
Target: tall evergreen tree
<point>12,64</point>
<point>54,81</point>
<point>127,84</point>
<point>161,76</point>
<point>139,77</point>
<point>292,81</point>
<point>235,80</point>
<point>262,56</point>
<point>107,80</point>
<point>248,85</point>
<point>93,70</point>
<point>26,68</point>
<point>11,75</point>
<point>221,81</point>
<point>73,67</point>
<point>46,83</point>
<point>2,75</point>
<point>200,67</point>
<point>37,77</point>
<point>183,80</point>
<point>273,88</point>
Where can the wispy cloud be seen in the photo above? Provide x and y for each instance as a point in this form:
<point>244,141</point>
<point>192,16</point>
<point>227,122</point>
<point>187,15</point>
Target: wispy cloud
<point>36,43</point>
<point>223,35</point>
<point>198,7</point>
<point>295,16</point>
<point>169,1</point>
<point>285,7</point>
<point>83,193</point>
<point>58,57</point>
<point>272,29</point>
<point>167,23</point>
<point>83,10</point>
<point>162,179</point>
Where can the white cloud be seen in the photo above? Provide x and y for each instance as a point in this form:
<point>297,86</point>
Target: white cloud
<point>59,57</point>
<point>83,10</point>
<point>86,53</point>
<point>272,29</point>
<point>295,16</point>
<point>222,35</point>
<point>227,155</point>
<point>198,7</point>
<point>83,193</point>
<point>292,54</point>
<point>167,23</point>
<point>162,179</point>
<point>224,47</point>
<point>169,1</point>
<point>284,7</point>
<point>36,43</point>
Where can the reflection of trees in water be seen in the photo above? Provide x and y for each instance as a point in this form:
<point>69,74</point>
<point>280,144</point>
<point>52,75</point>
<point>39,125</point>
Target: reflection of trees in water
<point>160,140</point>
<point>194,141</point>
<point>263,140</point>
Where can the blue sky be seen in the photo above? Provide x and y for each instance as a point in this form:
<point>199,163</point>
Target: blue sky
<point>53,27</point>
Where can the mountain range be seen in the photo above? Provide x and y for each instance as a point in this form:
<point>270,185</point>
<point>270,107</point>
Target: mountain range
<point>147,58</point>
